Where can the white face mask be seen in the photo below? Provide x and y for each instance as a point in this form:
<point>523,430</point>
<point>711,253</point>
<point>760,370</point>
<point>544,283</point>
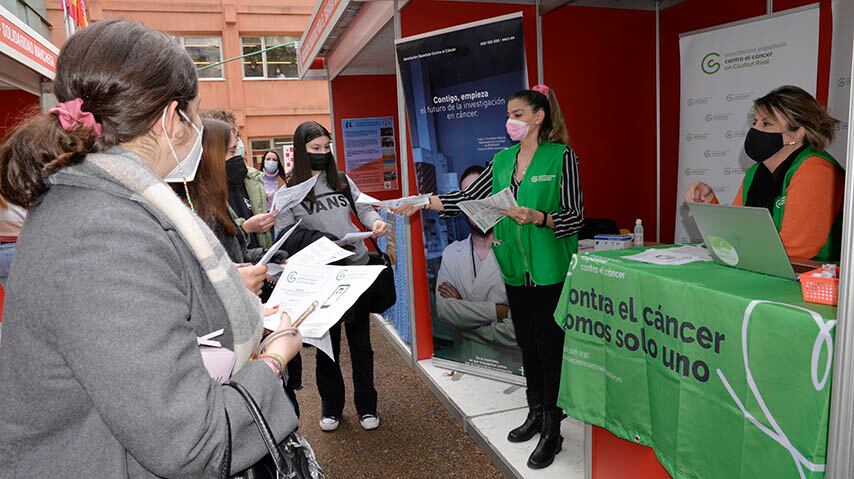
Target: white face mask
<point>239,148</point>
<point>185,170</point>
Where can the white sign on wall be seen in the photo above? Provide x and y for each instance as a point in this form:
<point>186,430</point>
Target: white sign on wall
<point>723,71</point>
<point>839,94</point>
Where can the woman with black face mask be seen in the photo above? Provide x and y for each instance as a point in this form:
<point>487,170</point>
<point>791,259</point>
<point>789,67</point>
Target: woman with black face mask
<point>326,210</point>
<point>800,184</point>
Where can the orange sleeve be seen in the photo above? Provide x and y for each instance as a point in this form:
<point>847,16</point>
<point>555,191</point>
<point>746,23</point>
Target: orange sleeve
<point>738,200</point>
<point>813,201</point>
<point>735,202</point>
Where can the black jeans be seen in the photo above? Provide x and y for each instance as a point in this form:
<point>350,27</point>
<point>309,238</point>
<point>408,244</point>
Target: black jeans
<point>330,382</point>
<point>540,339</point>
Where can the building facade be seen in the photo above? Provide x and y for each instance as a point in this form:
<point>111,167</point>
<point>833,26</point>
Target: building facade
<point>27,58</point>
<point>261,88</point>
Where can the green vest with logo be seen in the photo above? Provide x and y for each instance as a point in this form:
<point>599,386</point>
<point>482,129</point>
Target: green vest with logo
<point>529,248</point>
<point>833,247</point>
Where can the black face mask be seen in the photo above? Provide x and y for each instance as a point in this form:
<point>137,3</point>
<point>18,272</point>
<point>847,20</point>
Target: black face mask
<point>319,161</point>
<point>235,170</point>
<point>760,145</point>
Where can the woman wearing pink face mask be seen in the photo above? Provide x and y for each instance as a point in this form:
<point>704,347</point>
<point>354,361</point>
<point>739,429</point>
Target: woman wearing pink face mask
<point>534,244</point>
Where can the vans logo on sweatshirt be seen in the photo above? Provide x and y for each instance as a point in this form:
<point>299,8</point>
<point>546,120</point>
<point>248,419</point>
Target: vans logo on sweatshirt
<point>327,202</point>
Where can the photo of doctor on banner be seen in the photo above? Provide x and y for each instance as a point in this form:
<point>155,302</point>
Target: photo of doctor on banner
<point>471,300</point>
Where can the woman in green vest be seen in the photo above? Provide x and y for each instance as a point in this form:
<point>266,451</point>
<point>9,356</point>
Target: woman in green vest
<point>800,184</point>
<point>533,246</point>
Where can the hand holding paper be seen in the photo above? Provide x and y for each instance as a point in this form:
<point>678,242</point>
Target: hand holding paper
<point>270,252</point>
<point>487,212</point>
<point>286,197</point>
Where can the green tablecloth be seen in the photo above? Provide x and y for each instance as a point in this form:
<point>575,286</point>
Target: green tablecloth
<point>725,373</point>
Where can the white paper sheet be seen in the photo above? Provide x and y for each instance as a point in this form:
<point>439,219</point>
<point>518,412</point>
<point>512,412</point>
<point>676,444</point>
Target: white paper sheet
<point>335,288</point>
<point>364,199</point>
<point>322,251</point>
<point>278,244</point>
<point>287,197</point>
<point>486,213</point>
<point>664,257</point>
<point>698,251</point>
<point>323,343</point>
<point>352,238</point>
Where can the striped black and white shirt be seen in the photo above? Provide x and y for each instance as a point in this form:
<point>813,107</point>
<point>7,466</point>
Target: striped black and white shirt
<point>568,220</point>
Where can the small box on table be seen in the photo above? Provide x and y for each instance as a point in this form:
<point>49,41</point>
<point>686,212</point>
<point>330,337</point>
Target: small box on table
<point>609,242</point>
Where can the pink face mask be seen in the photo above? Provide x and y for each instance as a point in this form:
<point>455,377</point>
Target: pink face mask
<point>517,129</point>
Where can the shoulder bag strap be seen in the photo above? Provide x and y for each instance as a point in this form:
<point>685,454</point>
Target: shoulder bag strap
<point>263,426</point>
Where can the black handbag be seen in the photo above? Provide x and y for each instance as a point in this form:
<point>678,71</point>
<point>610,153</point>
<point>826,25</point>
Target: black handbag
<point>381,295</point>
<point>293,458</point>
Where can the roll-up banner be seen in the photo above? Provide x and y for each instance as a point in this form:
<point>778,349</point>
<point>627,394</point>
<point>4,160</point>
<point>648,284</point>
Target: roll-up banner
<point>723,71</point>
<point>839,94</point>
<point>456,85</point>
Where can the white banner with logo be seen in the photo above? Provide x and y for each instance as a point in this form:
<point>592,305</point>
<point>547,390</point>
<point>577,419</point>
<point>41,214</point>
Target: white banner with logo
<point>723,71</point>
<point>839,95</point>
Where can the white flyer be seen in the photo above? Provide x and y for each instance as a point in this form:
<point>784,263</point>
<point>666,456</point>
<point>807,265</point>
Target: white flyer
<point>664,257</point>
<point>335,288</point>
<point>270,252</point>
<point>486,213</point>
<point>287,197</point>
<point>418,200</point>
<point>323,343</point>
<point>364,199</point>
<point>351,238</point>
<point>322,251</point>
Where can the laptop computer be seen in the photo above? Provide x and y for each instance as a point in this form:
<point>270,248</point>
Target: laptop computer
<point>745,238</point>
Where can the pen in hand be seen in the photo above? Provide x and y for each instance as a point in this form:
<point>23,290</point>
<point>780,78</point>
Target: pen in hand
<point>311,308</point>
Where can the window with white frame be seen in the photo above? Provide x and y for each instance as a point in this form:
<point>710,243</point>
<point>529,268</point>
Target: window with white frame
<point>204,51</point>
<point>268,62</point>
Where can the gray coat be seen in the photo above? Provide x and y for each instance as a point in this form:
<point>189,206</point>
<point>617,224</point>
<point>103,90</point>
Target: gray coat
<point>100,372</point>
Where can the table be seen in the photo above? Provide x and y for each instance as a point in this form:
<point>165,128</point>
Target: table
<point>724,373</point>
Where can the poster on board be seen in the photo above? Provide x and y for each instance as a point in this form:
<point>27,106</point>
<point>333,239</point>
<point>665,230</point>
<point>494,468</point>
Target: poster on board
<point>456,83</point>
<point>370,153</point>
<point>723,72</point>
<point>839,93</point>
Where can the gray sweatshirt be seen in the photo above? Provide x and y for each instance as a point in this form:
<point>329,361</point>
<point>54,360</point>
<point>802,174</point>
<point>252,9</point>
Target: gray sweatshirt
<point>331,214</point>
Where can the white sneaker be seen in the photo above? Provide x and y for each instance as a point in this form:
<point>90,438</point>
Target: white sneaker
<point>369,422</point>
<point>329,424</point>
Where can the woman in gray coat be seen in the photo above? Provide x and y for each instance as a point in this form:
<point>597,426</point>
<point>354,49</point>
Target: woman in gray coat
<point>115,278</point>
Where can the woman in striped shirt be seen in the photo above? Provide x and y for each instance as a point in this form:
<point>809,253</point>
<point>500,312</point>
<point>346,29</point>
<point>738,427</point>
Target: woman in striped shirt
<point>534,245</point>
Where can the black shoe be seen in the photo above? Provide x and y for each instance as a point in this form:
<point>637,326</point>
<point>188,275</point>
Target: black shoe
<point>550,443</point>
<point>533,424</point>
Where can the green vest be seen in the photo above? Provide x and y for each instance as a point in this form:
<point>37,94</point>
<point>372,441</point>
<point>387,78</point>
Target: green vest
<point>832,248</point>
<point>529,248</point>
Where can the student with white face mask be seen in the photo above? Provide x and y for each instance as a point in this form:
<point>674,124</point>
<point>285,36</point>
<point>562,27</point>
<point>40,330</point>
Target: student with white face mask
<point>274,173</point>
<point>103,376</point>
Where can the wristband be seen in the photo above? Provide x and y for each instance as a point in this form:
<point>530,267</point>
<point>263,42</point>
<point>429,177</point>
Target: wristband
<point>272,362</point>
<point>545,221</point>
<point>278,358</point>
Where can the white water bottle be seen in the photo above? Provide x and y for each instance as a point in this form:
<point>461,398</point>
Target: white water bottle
<point>638,239</point>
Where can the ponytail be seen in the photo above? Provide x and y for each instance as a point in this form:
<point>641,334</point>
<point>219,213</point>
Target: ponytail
<point>541,97</point>
<point>558,133</point>
<point>35,148</point>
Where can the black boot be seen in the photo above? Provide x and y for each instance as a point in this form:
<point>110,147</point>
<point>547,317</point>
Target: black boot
<point>550,440</point>
<point>532,425</point>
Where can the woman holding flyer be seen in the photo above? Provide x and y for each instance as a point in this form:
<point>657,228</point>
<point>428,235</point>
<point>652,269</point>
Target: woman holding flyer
<point>534,244</point>
<point>326,210</point>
